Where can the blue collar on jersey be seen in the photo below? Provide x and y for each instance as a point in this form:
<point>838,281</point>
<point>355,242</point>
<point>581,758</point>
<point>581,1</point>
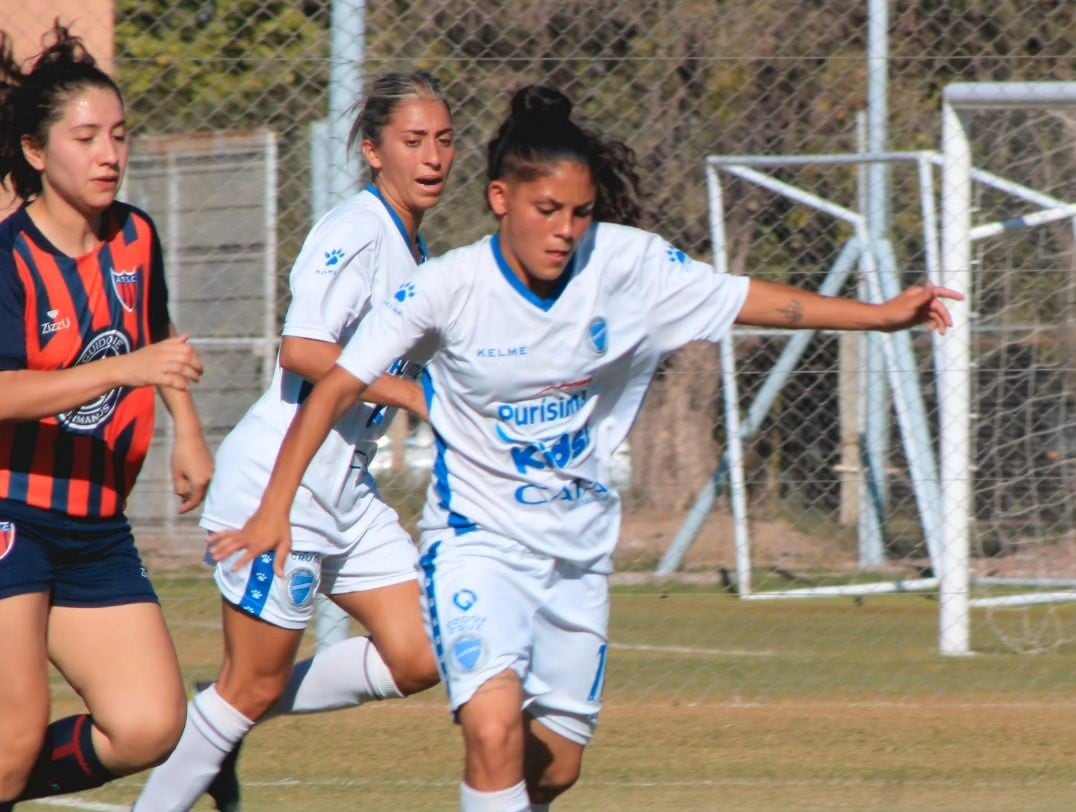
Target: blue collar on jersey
<point>423,254</point>
<point>523,290</point>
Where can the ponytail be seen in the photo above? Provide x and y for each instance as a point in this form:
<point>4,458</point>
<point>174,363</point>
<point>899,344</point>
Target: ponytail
<point>539,131</point>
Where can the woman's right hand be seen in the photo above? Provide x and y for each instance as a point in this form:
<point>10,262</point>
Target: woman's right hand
<point>265,532</point>
<point>172,362</point>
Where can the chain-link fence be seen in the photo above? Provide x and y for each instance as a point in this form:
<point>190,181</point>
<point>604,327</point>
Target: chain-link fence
<point>831,493</point>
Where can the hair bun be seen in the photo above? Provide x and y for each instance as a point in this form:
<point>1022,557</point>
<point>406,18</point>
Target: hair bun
<point>539,101</point>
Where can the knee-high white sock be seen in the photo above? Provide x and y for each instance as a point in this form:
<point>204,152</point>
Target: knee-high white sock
<point>344,675</point>
<point>513,799</point>
<point>213,728</point>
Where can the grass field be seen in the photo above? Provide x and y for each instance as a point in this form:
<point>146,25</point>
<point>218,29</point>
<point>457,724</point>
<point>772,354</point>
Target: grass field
<point>711,703</point>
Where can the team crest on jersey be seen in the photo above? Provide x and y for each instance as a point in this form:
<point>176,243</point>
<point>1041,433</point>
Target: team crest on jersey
<point>126,285</point>
<point>598,335</point>
<point>89,416</point>
<point>468,652</point>
<point>302,583</point>
<point>7,538</point>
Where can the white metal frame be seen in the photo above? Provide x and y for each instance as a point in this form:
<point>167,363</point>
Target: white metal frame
<point>949,266</point>
<point>954,354</point>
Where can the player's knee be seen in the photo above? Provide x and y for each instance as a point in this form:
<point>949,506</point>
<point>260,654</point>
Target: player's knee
<point>17,758</point>
<point>417,674</point>
<point>137,743</point>
<point>556,779</point>
<point>492,740</point>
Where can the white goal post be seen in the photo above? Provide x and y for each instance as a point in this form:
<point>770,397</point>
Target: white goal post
<point>954,354</point>
<point>943,487</point>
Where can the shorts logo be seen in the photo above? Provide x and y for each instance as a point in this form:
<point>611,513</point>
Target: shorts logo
<point>7,538</point>
<point>126,285</point>
<point>89,416</point>
<point>465,599</point>
<point>468,652</point>
<point>302,582</point>
<point>598,335</point>
<point>406,291</point>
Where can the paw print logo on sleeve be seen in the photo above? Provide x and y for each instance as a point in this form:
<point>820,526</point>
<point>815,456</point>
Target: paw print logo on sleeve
<point>406,291</point>
<point>676,256</point>
<point>332,261</point>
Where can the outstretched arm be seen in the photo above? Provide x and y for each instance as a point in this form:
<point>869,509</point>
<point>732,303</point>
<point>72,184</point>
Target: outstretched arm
<point>770,304</point>
<point>270,528</point>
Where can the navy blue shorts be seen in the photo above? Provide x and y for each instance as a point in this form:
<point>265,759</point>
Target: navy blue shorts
<point>79,562</point>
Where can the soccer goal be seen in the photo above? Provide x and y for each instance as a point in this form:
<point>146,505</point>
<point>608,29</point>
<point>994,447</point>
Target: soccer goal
<point>978,469</point>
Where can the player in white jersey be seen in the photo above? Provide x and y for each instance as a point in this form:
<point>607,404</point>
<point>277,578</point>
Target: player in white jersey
<point>549,334</point>
<point>348,542</point>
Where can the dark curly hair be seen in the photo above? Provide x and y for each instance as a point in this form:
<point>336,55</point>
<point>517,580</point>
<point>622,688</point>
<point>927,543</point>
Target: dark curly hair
<point>539,131</point>
<point>30,103</point>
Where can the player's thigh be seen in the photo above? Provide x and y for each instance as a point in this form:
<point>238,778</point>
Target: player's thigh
<point>24,700</point>
<point>121,661</point>
<point>569,659</point>
<point>393,617</point>
<point>479,600</point>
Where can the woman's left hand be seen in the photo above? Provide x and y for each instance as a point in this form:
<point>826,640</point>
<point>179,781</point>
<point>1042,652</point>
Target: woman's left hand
<point>267,531</point>
<point>920,304</point>
<point>192,469</point>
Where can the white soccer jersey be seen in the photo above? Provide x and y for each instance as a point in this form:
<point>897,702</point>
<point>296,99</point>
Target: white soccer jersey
<point>355,256</point>
<point>529,398</point>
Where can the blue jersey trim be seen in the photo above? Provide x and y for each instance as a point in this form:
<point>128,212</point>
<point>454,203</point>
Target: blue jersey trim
<point>258,584</point>
<point>523,290</point>
<point>423,253</point>
<point>428,562</point>
<point>457,521</point>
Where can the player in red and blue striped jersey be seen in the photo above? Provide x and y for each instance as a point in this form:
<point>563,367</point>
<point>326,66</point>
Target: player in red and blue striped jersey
<point>84,337</point>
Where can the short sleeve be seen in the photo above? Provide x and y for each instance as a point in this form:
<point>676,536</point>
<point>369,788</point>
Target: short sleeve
<point>331,280</point>
<point>160,323</point>
<point>419,308</point>
<point>688,300</point>
<point>12,315</point>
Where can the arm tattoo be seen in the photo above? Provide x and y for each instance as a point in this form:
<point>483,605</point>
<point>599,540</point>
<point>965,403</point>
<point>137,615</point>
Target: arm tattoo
<point>793,312</point>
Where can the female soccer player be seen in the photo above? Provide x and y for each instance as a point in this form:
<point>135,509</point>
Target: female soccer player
<point>348,543</point>
<point>549,333</point>
<point>84,336</point>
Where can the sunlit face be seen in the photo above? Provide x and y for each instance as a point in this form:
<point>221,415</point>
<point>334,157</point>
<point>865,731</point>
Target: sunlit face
<point>84,160</point>
<point>542,221</point>
<point>415,155</point>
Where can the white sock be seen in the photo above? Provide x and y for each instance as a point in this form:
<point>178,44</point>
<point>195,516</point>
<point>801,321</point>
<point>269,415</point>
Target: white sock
<point>344,675</point>
<point>213,728</point>
<point>513,799</point>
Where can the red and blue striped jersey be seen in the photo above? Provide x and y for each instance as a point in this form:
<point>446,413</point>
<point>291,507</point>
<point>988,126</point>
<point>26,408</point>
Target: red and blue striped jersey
<point>55,312</point>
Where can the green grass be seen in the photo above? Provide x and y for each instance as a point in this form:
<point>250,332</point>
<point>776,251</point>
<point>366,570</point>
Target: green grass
<point>715,703</point>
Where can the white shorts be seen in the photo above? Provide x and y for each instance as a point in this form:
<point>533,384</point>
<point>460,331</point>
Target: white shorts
<point>383,556</point>
<point>492,604</point>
